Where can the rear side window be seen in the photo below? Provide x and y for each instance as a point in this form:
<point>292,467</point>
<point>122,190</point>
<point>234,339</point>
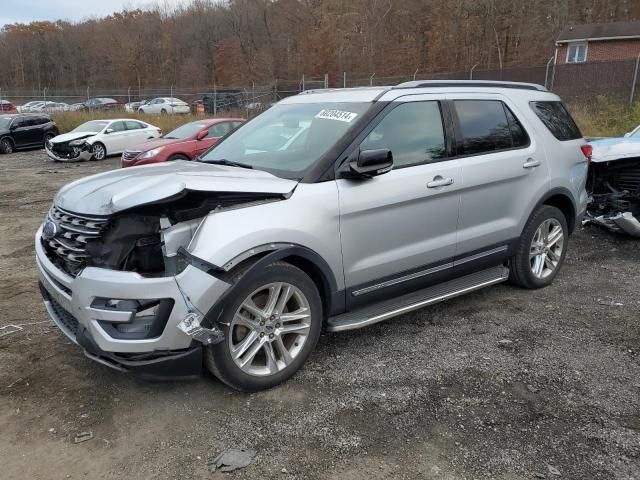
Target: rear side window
<point>131,125</point>
<point>556,118</point>
<point>484,126</point>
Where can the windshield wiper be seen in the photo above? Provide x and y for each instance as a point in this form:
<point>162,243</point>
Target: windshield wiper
<point>228,163</point>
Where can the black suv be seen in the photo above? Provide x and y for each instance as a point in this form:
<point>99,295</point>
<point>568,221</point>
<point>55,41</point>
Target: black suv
<point>25,131</point>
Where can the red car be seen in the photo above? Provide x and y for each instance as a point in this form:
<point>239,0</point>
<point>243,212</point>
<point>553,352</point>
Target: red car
<point>183,143</point>
<point>7,107</point>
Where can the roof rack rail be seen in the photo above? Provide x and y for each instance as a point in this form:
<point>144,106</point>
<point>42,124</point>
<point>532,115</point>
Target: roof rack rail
<point>470,83</point>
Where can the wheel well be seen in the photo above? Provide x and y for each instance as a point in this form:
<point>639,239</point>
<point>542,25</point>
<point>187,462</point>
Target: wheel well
<point>565,205</point>
<point>314,272</point>
<point>10,139</point>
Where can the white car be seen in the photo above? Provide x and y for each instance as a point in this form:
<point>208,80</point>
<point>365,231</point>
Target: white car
<point>165,106</point>
<point>30,106</point>
<point>99,138</point>
<point>51,107</point>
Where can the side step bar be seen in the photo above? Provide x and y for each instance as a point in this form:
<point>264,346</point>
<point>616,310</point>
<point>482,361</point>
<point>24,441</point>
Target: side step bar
<point>415,300</point>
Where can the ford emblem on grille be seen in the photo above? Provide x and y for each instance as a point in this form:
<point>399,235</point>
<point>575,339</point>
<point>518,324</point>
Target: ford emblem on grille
<point>49,230</point>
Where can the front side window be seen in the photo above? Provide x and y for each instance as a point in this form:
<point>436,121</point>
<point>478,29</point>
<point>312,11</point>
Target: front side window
<point>289,138</point>
<point>117,127</point>
<point>412,131</point>
<point>219,130</point>
<point>577,53</point>
<point>484,126</point>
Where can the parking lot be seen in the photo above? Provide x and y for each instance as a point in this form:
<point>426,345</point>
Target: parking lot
<point>500,384</point>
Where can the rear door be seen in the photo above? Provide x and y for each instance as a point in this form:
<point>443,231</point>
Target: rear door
<point>398,230</point>
<point>136,133</point>
<point>503,169</point>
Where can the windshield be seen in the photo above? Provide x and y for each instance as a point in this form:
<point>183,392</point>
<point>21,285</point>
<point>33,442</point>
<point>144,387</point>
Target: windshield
<point>5,122</point>
<point>288,138</point>
<point>186,131</point>
<point>92,126</point>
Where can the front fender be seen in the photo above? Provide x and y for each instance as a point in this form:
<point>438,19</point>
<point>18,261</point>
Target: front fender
<point>308,219</point>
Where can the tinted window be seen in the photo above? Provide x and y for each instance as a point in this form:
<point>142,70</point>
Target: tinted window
<point>117,126</point>
<point>484,126</point>
<point>134,125</point>
<point>219,130</point>
<point>20,122</point>
<point>518,133</point>
<point>412,131</point>
<point>556,118</point>
<point>41,120</point>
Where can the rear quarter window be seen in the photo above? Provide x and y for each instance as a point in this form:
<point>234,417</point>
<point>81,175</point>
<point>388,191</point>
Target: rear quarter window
<point>557,119</point>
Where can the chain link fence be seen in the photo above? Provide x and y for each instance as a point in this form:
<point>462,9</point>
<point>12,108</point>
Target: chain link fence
<point>616,80</point>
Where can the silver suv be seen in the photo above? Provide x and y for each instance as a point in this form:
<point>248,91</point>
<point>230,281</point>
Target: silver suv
<point>333,209</point>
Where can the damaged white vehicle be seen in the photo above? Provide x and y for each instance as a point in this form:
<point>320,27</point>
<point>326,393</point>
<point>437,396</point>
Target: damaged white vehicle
<point>614,184</point>
<point>97,139</point>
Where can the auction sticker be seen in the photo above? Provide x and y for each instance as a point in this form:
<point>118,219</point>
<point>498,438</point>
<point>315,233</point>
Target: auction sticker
<point>339,115</point>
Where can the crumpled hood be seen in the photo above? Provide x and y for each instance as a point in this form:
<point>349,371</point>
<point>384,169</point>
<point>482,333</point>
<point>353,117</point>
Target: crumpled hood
<point>615,149</point>
<point>118,190</point>
<point>67,137</point>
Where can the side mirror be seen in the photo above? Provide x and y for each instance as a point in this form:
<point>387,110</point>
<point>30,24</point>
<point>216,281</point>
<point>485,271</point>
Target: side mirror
<point>628,134</point>
<point>109,130</point>
<point>202,135</point>
<point>369,163</point>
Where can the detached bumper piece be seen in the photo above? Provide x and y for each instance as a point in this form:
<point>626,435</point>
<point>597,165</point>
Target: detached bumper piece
<point>623,223</point>
<point>157,365</point>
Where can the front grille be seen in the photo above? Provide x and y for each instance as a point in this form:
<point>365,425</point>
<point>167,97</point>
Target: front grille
<point>130,154</point>
<point>68,247</point>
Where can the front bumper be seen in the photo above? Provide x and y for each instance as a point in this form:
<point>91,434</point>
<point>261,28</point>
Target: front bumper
<point>83,155</point>
<point>71,304</point>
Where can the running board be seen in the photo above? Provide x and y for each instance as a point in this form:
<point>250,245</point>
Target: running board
<point>413,301</point>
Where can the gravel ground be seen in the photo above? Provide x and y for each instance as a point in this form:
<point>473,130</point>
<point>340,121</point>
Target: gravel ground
<point>499,384</point>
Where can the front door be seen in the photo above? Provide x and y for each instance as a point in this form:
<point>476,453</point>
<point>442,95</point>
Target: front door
<point>398,230</point>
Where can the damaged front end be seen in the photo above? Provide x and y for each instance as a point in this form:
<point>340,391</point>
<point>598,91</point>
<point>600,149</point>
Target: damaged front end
<point>117,281</point>
<point>75,150</point>
<point>614,186</point>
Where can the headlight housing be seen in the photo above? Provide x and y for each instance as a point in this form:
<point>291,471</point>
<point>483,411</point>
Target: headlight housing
<point>151,153</point>
<point>77,143</point>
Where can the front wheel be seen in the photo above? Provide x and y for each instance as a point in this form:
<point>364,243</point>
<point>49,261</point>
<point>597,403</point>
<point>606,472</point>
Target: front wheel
<point>271,326</point>
<point>6,146</point>
<point>99,151</point>
<point>542,249</point>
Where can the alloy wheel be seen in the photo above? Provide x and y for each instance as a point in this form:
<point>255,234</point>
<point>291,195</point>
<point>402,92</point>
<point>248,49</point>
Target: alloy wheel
<point>546,248</point>
<point>98,152</point>
<point>269,329</point>
<point>7,146</point>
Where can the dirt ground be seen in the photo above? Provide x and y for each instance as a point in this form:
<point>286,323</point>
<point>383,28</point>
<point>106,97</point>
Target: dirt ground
<point>500,384</point>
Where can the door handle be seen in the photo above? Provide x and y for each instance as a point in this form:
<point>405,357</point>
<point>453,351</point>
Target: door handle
<point>439,181</point>
<point>531,163</point>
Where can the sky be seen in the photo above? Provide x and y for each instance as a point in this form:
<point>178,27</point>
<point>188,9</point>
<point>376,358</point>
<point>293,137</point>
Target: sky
<point>25,11</point>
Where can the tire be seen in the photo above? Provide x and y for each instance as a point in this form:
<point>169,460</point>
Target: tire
<point>99,151</point>
<point>141,111</point>
<point>177,157</point>
<point>6,146</point>
<point>259,335</point>
<point>538,258</point>
<point>163,112</point>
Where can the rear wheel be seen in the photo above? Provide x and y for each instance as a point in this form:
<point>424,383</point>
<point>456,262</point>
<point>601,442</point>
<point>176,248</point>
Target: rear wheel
<point>542,249</point>
<point>163,112</point>
<point>271,326</point>
<point>99,151</point>
<point>6,146</point>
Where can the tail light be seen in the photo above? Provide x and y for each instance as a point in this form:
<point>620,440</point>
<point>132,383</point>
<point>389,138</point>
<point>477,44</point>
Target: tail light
<point>587,151</point>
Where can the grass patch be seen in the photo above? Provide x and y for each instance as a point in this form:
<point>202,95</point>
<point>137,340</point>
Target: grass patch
<point>604,117</point>
<point>67,121</point>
